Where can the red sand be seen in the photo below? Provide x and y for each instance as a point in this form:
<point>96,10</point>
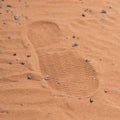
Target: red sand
<point>44,76</point>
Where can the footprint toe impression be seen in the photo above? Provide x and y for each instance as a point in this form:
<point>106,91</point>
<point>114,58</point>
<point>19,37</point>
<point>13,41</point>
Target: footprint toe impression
<point>67,71</point>
<point>42,34</point>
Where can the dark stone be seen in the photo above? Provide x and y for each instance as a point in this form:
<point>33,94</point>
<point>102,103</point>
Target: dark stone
<point>105,91</point>
<point>22,63</point>
<point>91,100</point>
<point>83,15</point>
<point>4,22</point>
<point>28,55</point>
<point>73,36</point>
<point>9,6</point>
<point>11,62</point>
<point>14,54</point>
<point>29,77</point>
<point>87,60</point>
<point>58,83</point>
<point>104,11</point>
<point>75,44</point>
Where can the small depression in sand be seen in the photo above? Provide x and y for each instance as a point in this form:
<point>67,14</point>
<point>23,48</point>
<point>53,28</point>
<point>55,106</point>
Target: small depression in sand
<point>67,72</point>
<point>43,33</point>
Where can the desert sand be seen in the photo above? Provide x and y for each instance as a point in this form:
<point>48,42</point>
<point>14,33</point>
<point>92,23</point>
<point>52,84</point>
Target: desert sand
<point>59,60</point>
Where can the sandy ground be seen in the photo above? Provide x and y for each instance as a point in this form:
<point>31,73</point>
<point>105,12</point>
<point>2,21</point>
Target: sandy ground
<point>59,60</point>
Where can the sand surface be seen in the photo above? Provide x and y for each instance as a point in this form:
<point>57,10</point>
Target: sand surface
<point>59,60</point>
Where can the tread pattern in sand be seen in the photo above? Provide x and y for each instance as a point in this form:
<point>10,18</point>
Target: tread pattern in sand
<point>67,71</point>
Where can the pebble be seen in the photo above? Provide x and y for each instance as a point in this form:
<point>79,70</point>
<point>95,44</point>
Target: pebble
<point>16,17</point>
<point>87,60</point>
<point>73,36</point>
<point>11,62</point>
<point>22,63</point>
<point>83,15</point>
<point>105,91</point>
<point>110,7</point>
<point>9,6</point>
<point>29,77</point>
<point>75,44</point>
<point>104,11</point>
<point>4,21</point>
<point>28,55</point>
<point>91,100</point>
<point>46,78</point>
<point>58,83</point>
<point>14,54</point>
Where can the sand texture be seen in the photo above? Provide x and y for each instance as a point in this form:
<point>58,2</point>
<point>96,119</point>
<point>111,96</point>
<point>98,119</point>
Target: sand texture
<point>59,60</point>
